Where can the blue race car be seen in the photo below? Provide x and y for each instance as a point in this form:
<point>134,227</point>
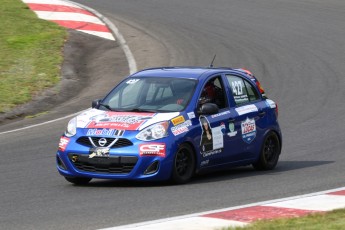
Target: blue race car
<point>171,123</point>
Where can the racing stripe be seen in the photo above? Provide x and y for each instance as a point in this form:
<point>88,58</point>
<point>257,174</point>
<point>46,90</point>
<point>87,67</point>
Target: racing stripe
<point>251,214</point>
<point>47,15</point>
<point>57,8</point>
<point>51,2</point>
<point>76,25</point>
<point>338,193</point>
<point>70,16</point>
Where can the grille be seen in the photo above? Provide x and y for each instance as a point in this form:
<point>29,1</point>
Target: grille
<point>112,164</point>
<point>121,142</point>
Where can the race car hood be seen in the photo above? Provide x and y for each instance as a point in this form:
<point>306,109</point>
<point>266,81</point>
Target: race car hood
<point>94,118</point>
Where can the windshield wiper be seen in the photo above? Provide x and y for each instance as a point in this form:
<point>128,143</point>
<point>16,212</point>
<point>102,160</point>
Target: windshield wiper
<point>141,110</point>
<point>127,110</point>
<point>107,106</point>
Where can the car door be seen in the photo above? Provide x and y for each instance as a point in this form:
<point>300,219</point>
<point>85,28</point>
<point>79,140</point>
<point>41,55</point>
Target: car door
<point>217,143</point>
<point>247,117</point>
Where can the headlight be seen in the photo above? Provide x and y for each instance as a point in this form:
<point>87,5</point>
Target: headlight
<point>154,132</point>
<point>71,128</point>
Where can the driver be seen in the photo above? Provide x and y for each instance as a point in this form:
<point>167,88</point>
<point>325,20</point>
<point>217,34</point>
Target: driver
<point>208,94</point>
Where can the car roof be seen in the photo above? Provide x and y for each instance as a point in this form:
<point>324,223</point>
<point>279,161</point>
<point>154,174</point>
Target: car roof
<point>191,72</point>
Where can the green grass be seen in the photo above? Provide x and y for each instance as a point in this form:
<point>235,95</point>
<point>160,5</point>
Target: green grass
<point>36,115</point>
<point>331,221</point>
<point>30,54</point>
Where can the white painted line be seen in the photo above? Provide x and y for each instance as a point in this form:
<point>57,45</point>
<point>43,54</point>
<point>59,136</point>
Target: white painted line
<point>129,55</point>
<point>68,16</point>
<point>51,2</point>
<point>105,35</point>
<point>193,223</point>
<point>40,124</point>
<point>317,203</point>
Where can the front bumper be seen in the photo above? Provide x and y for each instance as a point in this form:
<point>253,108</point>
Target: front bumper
<point>123,163</point>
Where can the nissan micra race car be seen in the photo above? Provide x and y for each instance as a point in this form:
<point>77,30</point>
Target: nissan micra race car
<point>169,123</point>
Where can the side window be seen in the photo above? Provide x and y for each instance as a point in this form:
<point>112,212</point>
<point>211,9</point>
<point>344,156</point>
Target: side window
<point>242,91</point>
<point>213,92</point>
<point>252,93</point>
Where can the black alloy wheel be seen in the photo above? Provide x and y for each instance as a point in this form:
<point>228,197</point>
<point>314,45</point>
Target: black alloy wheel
<point>184,164</point>
<point>270,152</point>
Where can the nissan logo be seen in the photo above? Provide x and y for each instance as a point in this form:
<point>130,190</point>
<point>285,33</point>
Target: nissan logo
<point>102,142</point>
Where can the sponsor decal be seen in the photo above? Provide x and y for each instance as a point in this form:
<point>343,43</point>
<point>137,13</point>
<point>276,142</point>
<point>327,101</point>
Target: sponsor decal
<point>248,130</point>
<point>211,138</point>
<point>240,96</point>
<point>217,138</point>
<point>270,103</point>
<point>246,109</point>
<point>99,152</point>
<point>104,132</point>
<point>181,128</point>
<point>84,118</point>
<point>191,115</point>
<point>178,120</point>
<point>152,149</point>
<point>220,114</point>
<point>232,132</point>
<point>222,127</point>
<point>159,117</point>
<point>211,152</point>
<point>119,120</point>
<point>237,87</point>
<point>132,81</point>
<point>63,143</point>
<point>204,163</point>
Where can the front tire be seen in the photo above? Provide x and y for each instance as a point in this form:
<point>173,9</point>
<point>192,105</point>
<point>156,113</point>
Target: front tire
<point>184,164</point>
<point>78,180</point>
<point>270,152</point>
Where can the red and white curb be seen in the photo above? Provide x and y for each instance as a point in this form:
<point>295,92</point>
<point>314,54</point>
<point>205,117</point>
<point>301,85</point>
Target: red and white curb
<point>70,15</point>
<point>242,215</point>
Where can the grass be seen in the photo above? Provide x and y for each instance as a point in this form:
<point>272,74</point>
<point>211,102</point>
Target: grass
<point>30,54</point>
<point>36,115</point>
<point>333,220</point>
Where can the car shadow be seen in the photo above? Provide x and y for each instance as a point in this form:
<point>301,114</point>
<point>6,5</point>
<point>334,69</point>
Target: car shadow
<point>221,175</point>
<point>249,171</point>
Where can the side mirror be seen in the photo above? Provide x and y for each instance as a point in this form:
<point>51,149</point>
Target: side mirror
<point>208,109</point>
<point>95,103</point>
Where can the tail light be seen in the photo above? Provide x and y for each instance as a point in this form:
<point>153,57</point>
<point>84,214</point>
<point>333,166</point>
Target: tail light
<point>276,109</point>
<point>262,91</point>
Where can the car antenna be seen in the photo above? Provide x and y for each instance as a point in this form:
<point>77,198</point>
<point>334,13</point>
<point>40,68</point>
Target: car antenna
<point>211,66</point>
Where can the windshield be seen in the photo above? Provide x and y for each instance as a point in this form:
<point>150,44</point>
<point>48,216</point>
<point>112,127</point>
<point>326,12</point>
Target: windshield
<point>150,94</point>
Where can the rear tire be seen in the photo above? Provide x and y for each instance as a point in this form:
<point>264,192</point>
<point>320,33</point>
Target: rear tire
<point>183,165</point>
<point>78,180</point>
<point>270,152</point>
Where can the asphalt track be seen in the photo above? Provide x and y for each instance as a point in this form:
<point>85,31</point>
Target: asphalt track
<point>297,50</point>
